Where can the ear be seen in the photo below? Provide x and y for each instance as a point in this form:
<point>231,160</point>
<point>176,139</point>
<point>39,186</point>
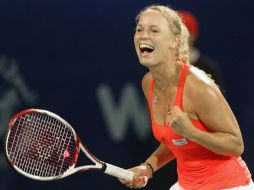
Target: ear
<point>174,42</point>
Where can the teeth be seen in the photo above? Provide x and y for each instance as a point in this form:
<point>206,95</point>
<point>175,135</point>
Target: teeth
<point>141,46</point>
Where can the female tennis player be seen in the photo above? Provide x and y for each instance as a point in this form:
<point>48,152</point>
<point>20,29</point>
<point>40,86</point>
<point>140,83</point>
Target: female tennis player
<point>190,117</point>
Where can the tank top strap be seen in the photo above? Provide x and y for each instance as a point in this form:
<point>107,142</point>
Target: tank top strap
<point>179,95</point>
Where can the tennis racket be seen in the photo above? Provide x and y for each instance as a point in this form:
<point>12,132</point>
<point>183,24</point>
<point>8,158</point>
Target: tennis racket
<point>43,146</point>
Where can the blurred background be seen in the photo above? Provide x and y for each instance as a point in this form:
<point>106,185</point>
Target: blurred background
<point>76,58</point>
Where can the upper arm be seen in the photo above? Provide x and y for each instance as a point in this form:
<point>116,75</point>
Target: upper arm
<point>208,103</point>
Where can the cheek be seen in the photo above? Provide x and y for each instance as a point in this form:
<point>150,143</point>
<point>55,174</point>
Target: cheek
<point>163,47</point>
<point>166,45</point>
<point>135,43</point>
<point>135,38</point>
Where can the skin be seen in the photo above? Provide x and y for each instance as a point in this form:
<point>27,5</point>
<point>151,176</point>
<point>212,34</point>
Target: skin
<point>201,99</point>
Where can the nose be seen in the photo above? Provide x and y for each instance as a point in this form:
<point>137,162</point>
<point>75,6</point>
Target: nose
<point>144,34</point>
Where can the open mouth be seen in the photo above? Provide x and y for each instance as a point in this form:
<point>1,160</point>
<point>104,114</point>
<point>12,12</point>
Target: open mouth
<point>146,48</point>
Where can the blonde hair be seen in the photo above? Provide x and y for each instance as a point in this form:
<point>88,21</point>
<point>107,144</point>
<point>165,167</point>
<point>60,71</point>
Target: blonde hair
<point>176,26</point>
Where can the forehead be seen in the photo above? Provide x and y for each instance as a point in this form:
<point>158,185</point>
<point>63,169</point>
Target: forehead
<point>153,17</point>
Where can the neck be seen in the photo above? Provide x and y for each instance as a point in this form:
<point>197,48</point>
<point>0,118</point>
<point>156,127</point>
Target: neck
<point>166,75</point>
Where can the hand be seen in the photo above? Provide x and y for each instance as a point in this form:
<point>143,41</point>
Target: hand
<point>180,122</point>
<point>140,178</point>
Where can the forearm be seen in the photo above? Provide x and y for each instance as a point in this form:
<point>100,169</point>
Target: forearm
<point>218,142</point>
<point>160,157</point>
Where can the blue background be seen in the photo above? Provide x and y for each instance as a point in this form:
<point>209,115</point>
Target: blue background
<point>64,52</point>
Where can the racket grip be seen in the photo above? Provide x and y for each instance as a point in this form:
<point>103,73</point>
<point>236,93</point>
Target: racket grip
<point>118,172</point>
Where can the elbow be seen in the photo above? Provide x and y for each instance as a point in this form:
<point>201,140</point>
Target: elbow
<point>238,149</point>
<point>237,146</point>
<point>241,150</point>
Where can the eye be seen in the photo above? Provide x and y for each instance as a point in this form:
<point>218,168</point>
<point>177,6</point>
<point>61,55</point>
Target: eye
<point>154,31</point>
<point>138,29</point>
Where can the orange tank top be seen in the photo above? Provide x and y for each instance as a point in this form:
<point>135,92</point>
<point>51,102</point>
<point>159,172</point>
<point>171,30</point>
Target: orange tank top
<point>198,168</point>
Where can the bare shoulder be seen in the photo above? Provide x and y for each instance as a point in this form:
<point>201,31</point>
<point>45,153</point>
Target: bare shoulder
<point>203,98</point>
<point>146,83</point>
<point>201,91</point>
<point>201,81</point>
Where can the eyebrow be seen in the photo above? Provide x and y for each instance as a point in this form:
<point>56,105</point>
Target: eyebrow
<point>149,25</point>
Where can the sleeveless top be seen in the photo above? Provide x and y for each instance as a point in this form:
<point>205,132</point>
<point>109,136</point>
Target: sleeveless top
<point>198,168</point>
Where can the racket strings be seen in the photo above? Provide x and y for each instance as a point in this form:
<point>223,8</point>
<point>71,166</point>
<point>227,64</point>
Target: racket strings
<point>24,142</point>
<point>20,143</point>
<point>41,145</point>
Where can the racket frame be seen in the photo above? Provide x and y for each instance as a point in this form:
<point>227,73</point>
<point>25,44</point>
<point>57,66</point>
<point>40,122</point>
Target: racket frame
<point>98,164</point>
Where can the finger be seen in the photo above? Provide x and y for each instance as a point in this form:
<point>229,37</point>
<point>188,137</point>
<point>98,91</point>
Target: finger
<point>143,181</point>
<point>140,182</point>
<point>126,182</point>
<point>176,107</point>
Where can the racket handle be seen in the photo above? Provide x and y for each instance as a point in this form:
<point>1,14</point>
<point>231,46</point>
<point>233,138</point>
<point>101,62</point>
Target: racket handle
<point>118,172</point>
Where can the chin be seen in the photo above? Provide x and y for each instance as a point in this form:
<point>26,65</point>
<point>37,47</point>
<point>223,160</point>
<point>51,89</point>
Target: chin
<point>146,63</point>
